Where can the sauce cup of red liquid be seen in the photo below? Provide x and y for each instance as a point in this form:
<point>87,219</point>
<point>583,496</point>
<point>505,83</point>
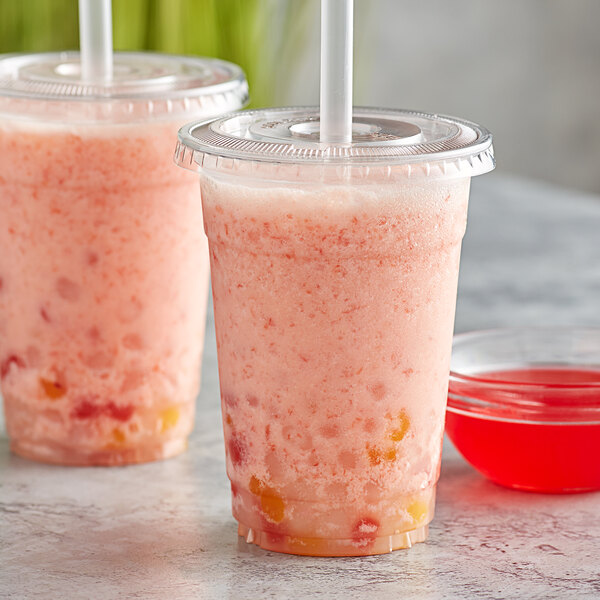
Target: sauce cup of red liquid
<point>524,407</point>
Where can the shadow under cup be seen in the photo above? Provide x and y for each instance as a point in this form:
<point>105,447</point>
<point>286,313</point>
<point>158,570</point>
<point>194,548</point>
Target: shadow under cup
<point>104,270</point>
<point>334,286</point>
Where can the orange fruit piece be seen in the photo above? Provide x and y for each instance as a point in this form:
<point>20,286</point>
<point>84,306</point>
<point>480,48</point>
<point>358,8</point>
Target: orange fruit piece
<point>273,507</point>
<point>169,417</point>
<point>271,503</point>
<point>256,486</point>
<point>374,455</point>
<point>118,436</point>
<point>403,424</point>
<point>390,455</point>
<point>53,389</point>
<point>418,510</point>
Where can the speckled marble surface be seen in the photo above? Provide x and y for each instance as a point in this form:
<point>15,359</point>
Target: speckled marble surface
<point>164,530</point>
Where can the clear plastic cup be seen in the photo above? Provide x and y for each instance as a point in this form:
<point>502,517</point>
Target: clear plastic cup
<point>334,273</point>
<point>104,266</point>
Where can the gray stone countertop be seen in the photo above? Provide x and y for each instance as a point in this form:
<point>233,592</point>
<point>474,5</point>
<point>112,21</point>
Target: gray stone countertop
<point>164,530</point>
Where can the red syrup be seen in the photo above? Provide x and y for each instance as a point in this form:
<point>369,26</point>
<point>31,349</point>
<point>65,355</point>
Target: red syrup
<point>535,429</point>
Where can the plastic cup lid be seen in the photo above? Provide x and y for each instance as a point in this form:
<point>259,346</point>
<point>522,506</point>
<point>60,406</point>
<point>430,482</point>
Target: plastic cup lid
<point>422,143</point>
<point>162,83</point>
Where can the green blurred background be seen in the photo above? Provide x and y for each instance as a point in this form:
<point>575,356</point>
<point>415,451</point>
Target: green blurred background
<point>265,37</point>
<point>538,93</point>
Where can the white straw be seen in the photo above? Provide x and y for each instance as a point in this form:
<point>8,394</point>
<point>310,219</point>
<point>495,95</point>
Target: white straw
<point>95,40</point>
<point>336,70</point>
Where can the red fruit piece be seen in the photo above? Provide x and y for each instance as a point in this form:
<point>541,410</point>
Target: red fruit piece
<point>5,366</point>
<point>86,409</point>
<point>365,531</point>
<point>44,314</point>
<point>119,413</point>
<point>238,452</point>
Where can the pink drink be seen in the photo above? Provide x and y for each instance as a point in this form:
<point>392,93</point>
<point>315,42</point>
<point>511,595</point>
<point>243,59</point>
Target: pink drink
<point>334,296</point>
<point>334,315</point>
<point>103,287</point>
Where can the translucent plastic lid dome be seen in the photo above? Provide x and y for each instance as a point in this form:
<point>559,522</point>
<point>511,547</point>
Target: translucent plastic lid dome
<point>380,137</point>
<point>144,84</point>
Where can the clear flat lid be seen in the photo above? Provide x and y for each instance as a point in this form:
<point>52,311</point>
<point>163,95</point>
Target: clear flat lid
<point>139,77</point>
<point>380,136</point>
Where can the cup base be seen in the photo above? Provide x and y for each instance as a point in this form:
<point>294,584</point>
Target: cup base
<point>63,455</point>
<point>287,544</point>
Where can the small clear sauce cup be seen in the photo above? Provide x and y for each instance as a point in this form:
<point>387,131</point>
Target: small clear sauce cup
<point>524,407</point>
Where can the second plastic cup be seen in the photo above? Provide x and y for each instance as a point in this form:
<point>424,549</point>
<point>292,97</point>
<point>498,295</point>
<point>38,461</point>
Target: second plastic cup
<point>334,272</point>
<point>104,265</point>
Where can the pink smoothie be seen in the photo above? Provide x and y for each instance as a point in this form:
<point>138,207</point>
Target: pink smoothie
<point>103,289</point>
<point>334,311</point>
